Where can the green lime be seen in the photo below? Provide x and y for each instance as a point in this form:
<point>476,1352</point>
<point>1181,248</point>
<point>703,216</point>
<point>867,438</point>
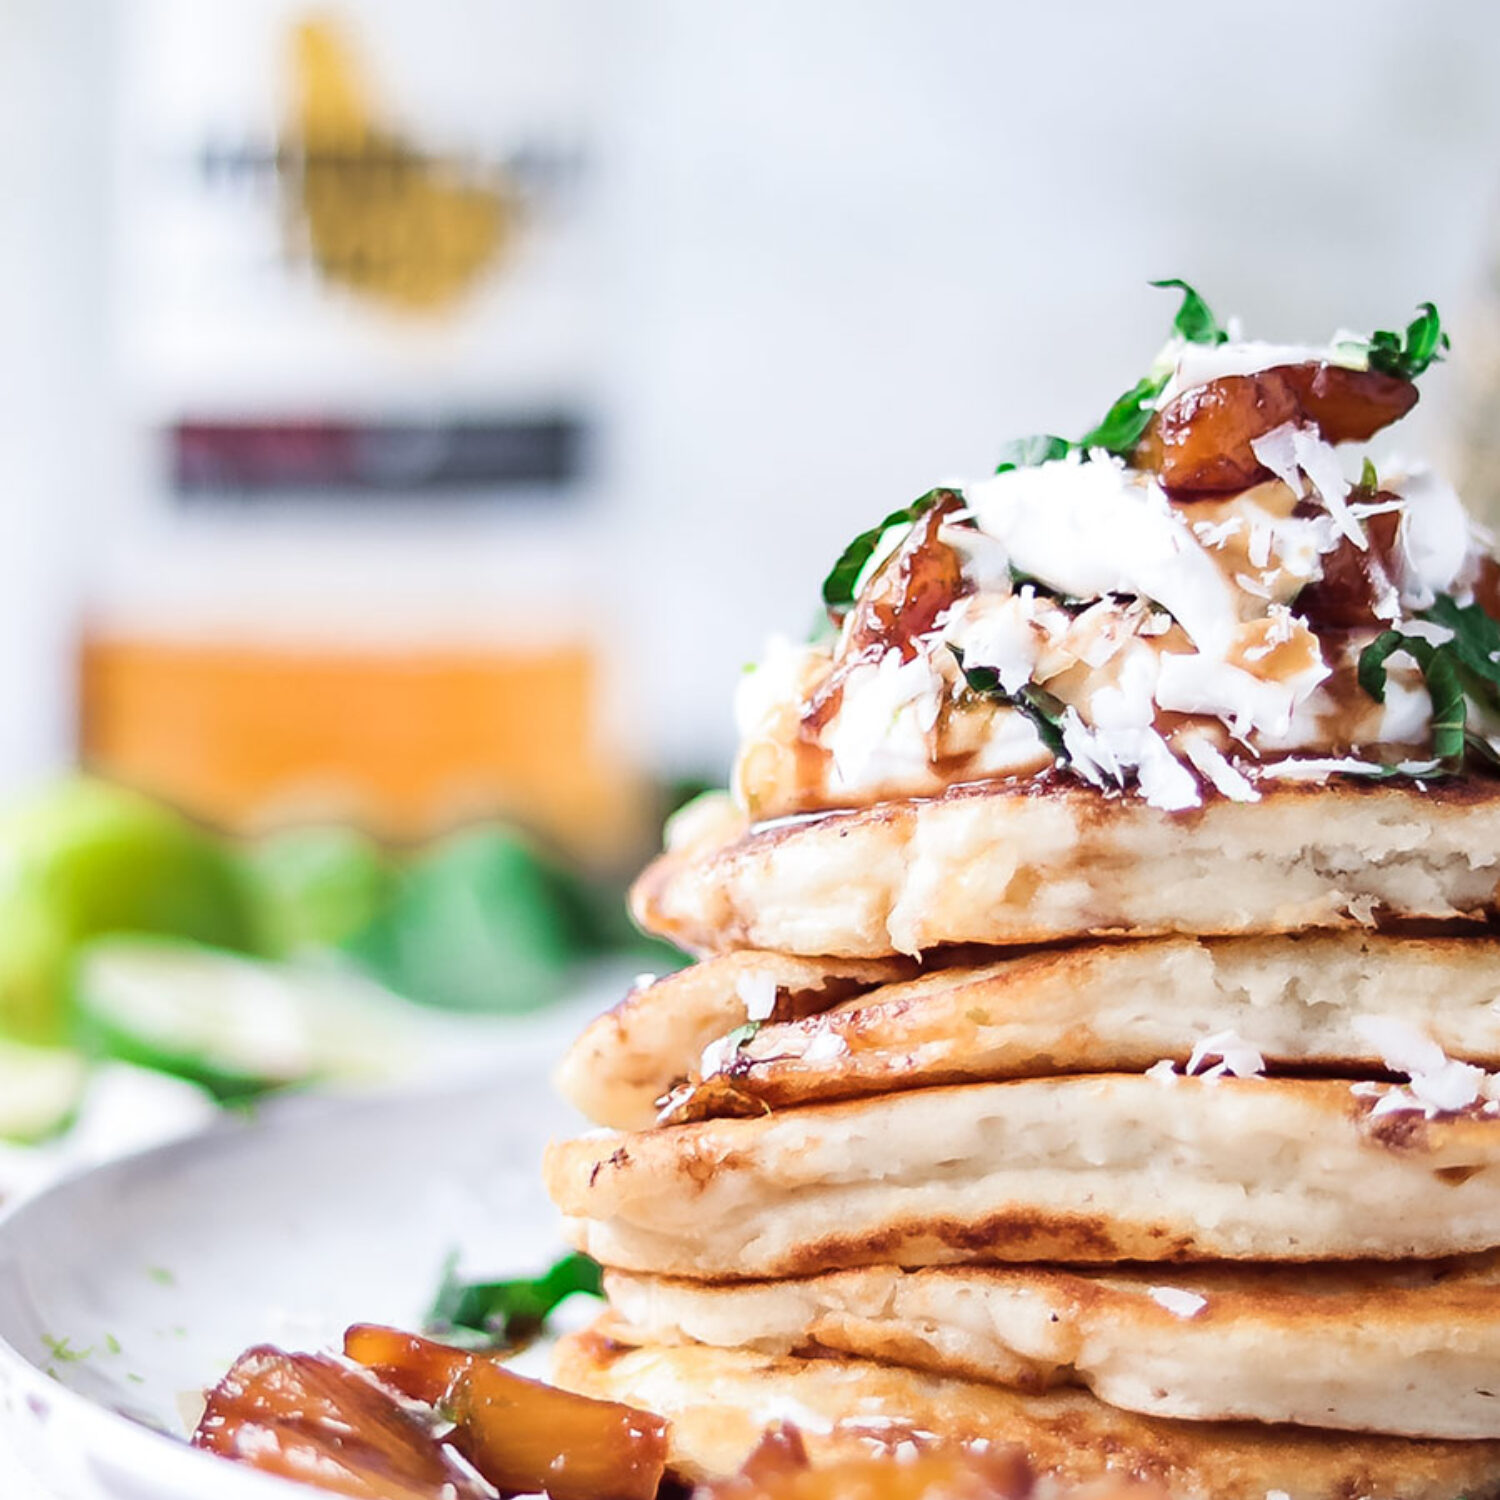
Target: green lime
<point>239,1026</point>
<point>84,857</point>
<point>316,887</point>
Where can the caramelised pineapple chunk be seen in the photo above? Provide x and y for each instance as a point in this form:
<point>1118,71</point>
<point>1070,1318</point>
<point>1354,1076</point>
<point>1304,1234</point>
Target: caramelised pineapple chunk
<point>779,1470</point>
<point>307,1417</point>
<point>520,1434</point>
<point>1200,443</point>
<point>912,588</point>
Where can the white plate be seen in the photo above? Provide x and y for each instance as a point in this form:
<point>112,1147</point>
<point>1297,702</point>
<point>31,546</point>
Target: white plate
<point>126,1290</point>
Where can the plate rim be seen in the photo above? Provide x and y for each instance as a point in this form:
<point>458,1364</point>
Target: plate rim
<point>146,1454</point>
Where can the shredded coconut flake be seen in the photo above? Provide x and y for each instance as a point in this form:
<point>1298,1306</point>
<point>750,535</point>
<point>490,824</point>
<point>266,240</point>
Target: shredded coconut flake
<point>1438,1084</point>
<point>1165,782</point>
<point>1435,539</point>
<point>1005,636</point>
<point>1216,533</point>
<point>1180,1303</point>
<point>1103,755</point>
<point>1213,766</point>
<point>1396,1102</point>
<point>1314,769</point>
<point>883,724</point>
<point>716,1056</point>
<point>1277,451</point>
<point>1320,463</point>
<point>826,1046</point>
<point>1237,1057</point>
<point>1427,630</point>
<point>758,991</point>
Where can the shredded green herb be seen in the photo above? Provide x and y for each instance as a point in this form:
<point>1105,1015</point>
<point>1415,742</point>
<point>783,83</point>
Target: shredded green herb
<point>1455,671</point>
<point>1037,704</point>
<point>1028,452</point>
<point>742,1034</point>
<point>1126,421</point>
<point>1444,686</point>
<point>1476,643</point>
<point>63,1351</point>
<point>1408,356</point>
<point>1195,321</point>
<point>484,1314</point>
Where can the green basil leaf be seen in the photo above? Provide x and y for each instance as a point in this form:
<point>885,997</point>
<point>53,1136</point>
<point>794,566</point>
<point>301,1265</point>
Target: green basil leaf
<point>1450,704</point>
<point>1028,452</point>
<point>1476,637</point>
<point>1441,671</point>
<point>838,587</point>
<point>1372,660</point>
<point>1194,321</point>
<point>506,1311</point>
<point>1406,357</point>
<point>1369,479</point>
<point>1126,421</point>
<point>1038,705</point>
<point>742,1034</point>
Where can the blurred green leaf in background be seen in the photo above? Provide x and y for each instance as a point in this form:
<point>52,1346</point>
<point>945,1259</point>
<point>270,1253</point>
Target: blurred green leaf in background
<point>483,920</point>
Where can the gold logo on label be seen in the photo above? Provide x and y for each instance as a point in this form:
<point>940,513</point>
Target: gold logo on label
<point>372,211</point>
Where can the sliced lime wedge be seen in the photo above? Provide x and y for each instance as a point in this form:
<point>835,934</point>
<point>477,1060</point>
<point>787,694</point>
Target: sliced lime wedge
<point>40,1088</point>
<point>236,1025</point>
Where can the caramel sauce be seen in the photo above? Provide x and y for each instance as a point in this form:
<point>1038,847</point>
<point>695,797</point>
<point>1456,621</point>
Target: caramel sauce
<point>1274,649</point>
<point>916,583</point>
<point>1487,587</point>
<point>921,579</point>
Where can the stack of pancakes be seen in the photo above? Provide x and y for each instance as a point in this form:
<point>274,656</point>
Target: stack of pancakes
<point>1090,1046</point>
<point>1159,1143</point>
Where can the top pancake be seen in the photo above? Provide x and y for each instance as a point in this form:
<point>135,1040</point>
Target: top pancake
<point>1002,865</point>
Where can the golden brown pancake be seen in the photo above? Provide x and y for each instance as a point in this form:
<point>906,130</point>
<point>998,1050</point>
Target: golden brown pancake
<point>1411,1347</point>
<point>719,1401</point>
<point>635,1052</point>
<point>1004,864</point>
<point>1302,1001</point>
<point>1088,1169</point>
